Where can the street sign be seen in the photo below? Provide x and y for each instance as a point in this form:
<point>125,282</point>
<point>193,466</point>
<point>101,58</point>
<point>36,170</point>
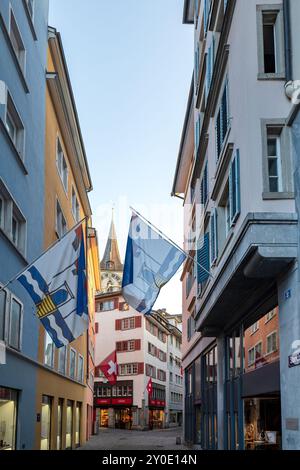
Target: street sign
<point>294,360</point>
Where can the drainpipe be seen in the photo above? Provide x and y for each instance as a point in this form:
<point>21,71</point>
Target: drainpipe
<point>289,86</point>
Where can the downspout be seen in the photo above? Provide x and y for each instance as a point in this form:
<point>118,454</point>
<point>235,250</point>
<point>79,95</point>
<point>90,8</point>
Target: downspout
<point>289,86</point>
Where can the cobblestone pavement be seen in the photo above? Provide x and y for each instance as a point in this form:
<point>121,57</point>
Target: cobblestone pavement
<point>117,439</point>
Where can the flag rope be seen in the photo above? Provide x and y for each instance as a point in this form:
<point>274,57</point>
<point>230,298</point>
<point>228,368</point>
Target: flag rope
<point>42,254</point>
<point>171,241</point>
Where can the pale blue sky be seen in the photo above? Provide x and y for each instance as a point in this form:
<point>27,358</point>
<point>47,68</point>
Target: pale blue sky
<point>130,63</point>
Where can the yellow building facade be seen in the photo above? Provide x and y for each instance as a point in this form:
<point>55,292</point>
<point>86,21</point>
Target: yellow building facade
<point>64,399</point>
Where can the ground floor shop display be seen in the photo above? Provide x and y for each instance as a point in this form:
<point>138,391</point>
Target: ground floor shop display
<point>8,418</point>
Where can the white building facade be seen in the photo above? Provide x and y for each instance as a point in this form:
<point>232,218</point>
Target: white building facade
<point>235,171</point>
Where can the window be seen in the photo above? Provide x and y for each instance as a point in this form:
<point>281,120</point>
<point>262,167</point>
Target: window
<point>272,342</point>
<point>197,133</point>
<point>12,220</point>
<point>80,369</point>
<point>128,323</point>
<point>75,206</point>
<point>49,351</point>
<point>274,164</point>
<point>3,298</point>
<point>210,65</point>
<point>204,186</point>
<point>171,377</point>
<point>254,327</point>
<point>69,424</point>
<point>222,122</point>
<point>72,363</point>
<point>59,424</point>
<point>15,324</point>
<point>15,127</point>
<point>78,424</point>
<point>16,41</point>
<point>62,354</point>
<point>61,224</point>
<point>129,369</point>
<point>270,315</point>
<point>191,327</point>
<point>107,306</point>
<point>161,375</point>
<point>234,189</point>
<point>213,236</point>
<point>254,354</point>
<point>8,418</point>
<point>46,423</point>
<point>62,165</point>
<point>270,42</point>
<point>30,8</point>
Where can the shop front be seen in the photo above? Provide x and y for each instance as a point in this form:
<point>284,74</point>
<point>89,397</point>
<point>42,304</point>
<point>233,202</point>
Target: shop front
<point>156,405</point>
<point>114,405</point>
<point>253,407</point>
<point>8,418</point>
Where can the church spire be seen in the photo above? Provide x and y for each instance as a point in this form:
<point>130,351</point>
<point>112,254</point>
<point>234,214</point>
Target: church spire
<point>111,260</point>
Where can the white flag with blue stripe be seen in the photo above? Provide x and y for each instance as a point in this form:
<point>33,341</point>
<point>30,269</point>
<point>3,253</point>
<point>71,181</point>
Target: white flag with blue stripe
<point>57,284</point>
<point>150,262</point>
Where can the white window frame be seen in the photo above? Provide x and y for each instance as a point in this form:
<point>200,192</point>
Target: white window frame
<point>276,347</point>
<point>20,133</point>
<point>74,351</point>
<point>56,219</point>
<point>19,40</point>
<point>52,356</point>
<point>65,361</point>
<point>277,157</point>
<point>64,160</point>
<point>76,213</point>
<point>80,378</point>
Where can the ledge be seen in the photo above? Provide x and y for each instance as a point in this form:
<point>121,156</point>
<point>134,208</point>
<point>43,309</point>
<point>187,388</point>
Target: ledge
<point>221,168</point>
<point>283,195</point>
<point>13,147</point>
<point>13,54</point>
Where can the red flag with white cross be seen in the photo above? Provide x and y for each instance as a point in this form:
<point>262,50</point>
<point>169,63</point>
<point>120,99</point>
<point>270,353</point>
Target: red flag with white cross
<point>109,367</point>
<point>149,387</point>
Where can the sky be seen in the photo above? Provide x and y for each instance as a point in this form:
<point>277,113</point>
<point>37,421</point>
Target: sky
<point>130,63</point>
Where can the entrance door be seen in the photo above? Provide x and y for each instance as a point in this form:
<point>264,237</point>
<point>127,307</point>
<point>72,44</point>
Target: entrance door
<point>123,418</point>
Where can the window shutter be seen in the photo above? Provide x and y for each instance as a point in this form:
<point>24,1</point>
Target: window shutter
<point>116,304</point>
<point>118,346</point>
<point>203,259</point>
<point>140,368</point>
<point>218,135</point>
<point>238,184</point>
<point>189,329</point>
<point>137,344</point>
<point>234,188</point>
<point>118,325</point>
<point>214,236</point>
<point>96,328</point>
<point>138,322</point>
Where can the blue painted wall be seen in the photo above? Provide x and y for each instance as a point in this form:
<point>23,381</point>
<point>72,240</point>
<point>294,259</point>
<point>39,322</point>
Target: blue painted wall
<point>28,192</point>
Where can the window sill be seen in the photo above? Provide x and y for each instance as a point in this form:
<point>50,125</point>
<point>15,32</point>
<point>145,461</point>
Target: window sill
<point>7,237</point>
<point>32,28</point>
<point>13,147</point>
<point>271,352</point>
<point>13,54</point>
<point>271,76</point>
<point>283,195</point>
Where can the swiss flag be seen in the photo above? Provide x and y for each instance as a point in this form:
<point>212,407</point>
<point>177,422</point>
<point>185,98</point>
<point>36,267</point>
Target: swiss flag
<point>149,387</point>
<point>109,367</point>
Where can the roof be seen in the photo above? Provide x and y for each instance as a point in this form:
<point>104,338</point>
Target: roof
<point>111,260</point>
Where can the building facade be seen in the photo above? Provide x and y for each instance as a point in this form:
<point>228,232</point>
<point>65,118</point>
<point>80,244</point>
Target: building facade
<point>142,347</point>
<point>235,171</point>
<point>65,379</point>
<point>23,52</point>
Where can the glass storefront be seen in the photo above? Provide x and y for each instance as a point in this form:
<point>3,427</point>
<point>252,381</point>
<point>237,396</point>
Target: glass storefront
<point>262,423</point>
<point>59,424</point>
<point>8,418</point>
<point>69,425</point>
<point>78,423</point>
<point>46,423</point>
<point>123,418</point>
<point>156,419</point>
<point>103,417</point>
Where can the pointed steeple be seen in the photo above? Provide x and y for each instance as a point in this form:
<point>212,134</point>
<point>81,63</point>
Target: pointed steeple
<point>111,260</point>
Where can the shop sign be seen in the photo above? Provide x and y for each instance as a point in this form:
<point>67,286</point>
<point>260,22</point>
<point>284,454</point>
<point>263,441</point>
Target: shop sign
<point>121,401</point>
<point>103,401</point>
<point>294,360</point>
<point>159,403</point>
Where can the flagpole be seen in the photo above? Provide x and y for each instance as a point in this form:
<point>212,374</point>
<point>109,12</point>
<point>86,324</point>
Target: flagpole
<point>171,241</point>
<point>42,254</point>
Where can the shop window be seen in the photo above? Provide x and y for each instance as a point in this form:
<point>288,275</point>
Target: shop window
<point>8,418</point>
<point>59,423</point>
<point>72,363</point>
<point>69,425</point>
<point>62,354</point>
<point>46,423</point>
<point>262,423</point>
<point>78,424</point>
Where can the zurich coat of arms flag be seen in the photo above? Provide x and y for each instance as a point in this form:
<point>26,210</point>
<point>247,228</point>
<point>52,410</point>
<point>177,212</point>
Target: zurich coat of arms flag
<point>150,262</point>
<point>57,284</point>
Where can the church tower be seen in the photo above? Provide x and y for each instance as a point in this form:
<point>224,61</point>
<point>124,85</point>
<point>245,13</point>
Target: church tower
<point>111,266</point>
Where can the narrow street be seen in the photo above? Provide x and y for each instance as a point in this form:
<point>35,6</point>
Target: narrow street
<point>118,439</point>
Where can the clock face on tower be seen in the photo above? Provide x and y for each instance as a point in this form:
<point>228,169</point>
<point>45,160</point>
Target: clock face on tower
<point>111,281</point>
